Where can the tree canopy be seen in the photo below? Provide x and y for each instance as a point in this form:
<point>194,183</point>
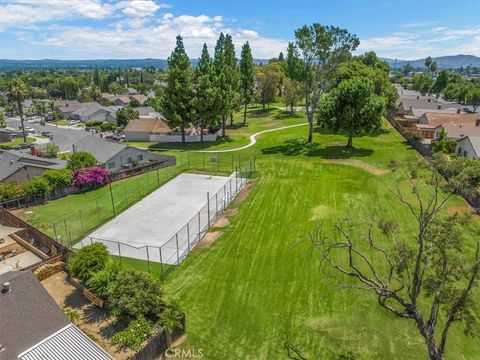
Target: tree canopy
<point>353,107</point>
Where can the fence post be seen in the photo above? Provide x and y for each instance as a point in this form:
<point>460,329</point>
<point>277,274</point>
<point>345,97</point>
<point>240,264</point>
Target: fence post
<point>55,230</point>
<point>81,221</point>
<point>188,236</point>
<point>199,226</point>
<point>148,260</point>
<point>111,196</point>
<point>91,240</point>
<point>178,255</point>
<point>230,194</point>
<point>119,253</point>
<point>161,261</point>
<point>224,195</point>
<point>158,178</point>
<point>208,209</point>
<point>216,204</point>
<point>236,179</point>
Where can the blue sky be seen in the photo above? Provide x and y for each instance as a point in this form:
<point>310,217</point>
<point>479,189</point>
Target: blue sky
<point>93,29</point>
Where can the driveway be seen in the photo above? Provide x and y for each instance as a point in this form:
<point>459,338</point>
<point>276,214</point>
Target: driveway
<point>64,137</point>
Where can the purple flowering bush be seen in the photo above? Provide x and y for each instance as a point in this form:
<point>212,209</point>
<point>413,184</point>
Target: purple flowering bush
<point>90,177</point>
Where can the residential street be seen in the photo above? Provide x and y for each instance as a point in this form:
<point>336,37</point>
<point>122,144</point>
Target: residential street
<point>62,136</point>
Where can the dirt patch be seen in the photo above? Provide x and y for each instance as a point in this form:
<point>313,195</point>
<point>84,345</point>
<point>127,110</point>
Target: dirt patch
<point>95,322</point>
<point>221,222</point>
<point>460,209</point>
<point>242,195</point>
<point>230,212</point>
<point>360,165</point>
<point>321,212</point>
<point>209,239</point>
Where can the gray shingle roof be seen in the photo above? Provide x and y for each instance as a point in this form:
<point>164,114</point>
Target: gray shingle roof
<point>475,141</point>
<point>103,150</point>
<point>28,314</point>
<point>12,160</point>
<point>67,344</point>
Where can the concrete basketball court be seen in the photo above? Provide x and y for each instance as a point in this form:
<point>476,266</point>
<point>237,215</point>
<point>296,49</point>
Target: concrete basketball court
<point>160,219</point>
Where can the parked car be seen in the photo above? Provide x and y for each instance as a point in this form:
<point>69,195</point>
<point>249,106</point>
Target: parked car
<point>23,146</point>
<point>74,122</point>
<point>30,130</point>
<point>47,134</point>
<point>113,138</point>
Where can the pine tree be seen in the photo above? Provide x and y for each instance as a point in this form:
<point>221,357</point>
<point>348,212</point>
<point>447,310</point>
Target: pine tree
<point>177,102</point>
<point>247,79</point>
<point>206,93</point>
<point>96,77</point>
<point>281,58</point>
<point>227,76</point>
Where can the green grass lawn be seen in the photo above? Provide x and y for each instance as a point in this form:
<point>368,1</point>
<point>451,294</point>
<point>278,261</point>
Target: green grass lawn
<point>17,141</point>
<point>260,283</point>
<point>238,134</point>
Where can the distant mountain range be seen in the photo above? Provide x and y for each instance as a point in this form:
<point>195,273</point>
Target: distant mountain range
<point>89,64</point>
<point>450,62</point>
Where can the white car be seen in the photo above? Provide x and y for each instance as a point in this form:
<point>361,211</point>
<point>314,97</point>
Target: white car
<point>30,130</point>
<point>74,122</point>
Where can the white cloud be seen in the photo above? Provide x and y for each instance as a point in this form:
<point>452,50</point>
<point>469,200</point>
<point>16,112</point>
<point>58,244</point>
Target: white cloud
<point>141,8</point>
<point>437,41</point>
<point>141,37</point>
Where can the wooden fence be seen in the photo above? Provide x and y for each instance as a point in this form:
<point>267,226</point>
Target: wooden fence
<point>35,237</point>
<point>472,198</point>
<point>158,344</point>
<point>423,149</point>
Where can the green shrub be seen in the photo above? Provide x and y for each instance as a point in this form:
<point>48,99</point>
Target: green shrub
<point>80,160</point>
<point>59,177</point>
<point>72,314</point>
<point>11,190</point>
<point>51,150</point>
<point>106,126</point>
<point>135,294</point>
<point>39,186</point>
<point>101,282</point>
<point>88,261</point>
<point>134,335</point>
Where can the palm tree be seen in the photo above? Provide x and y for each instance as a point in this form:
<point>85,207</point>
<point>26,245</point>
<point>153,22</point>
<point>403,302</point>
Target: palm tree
<point>428,63</point>
<point>18,92</point>
<point>169,320</point>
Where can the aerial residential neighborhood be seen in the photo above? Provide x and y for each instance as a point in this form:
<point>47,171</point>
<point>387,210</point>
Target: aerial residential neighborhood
<point>239,180</point>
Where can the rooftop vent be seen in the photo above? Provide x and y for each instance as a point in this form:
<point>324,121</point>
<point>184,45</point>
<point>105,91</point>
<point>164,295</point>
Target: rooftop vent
<point>5,287</point>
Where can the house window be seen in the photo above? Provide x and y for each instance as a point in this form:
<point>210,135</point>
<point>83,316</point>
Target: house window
<point>140,157</point>
<point>465,153</point>
<point>111,165</point>
<point>477,122</point>
<point>129,160</point>
<point>459,152</point>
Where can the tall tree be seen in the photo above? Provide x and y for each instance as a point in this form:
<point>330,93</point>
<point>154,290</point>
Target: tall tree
<point>473,97</point>
<point>292,93</point>
<point>247,78</point>
<point>267,78</point>
<point>428,63</point>
<point>320,48</point>
<point>206,93</point>
<point>352,106</point>
<point>18,93</point>
<point>281,57</point>
<point>227,76</point>
<point>430,278</point>
<point>177,102</point>
<point>96,77</point>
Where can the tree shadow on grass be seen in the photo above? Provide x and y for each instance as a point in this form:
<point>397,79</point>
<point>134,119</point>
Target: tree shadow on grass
<point>189,146</point>
<point>297,147</point>
<point>260,113</point>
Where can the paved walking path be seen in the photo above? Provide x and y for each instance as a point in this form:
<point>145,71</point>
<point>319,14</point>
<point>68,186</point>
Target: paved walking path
<point>252,140</point>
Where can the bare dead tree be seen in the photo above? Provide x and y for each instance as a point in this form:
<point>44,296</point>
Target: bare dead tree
<point>431,271</point>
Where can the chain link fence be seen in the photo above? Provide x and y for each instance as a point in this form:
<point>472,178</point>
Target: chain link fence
<point>162,259</point>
